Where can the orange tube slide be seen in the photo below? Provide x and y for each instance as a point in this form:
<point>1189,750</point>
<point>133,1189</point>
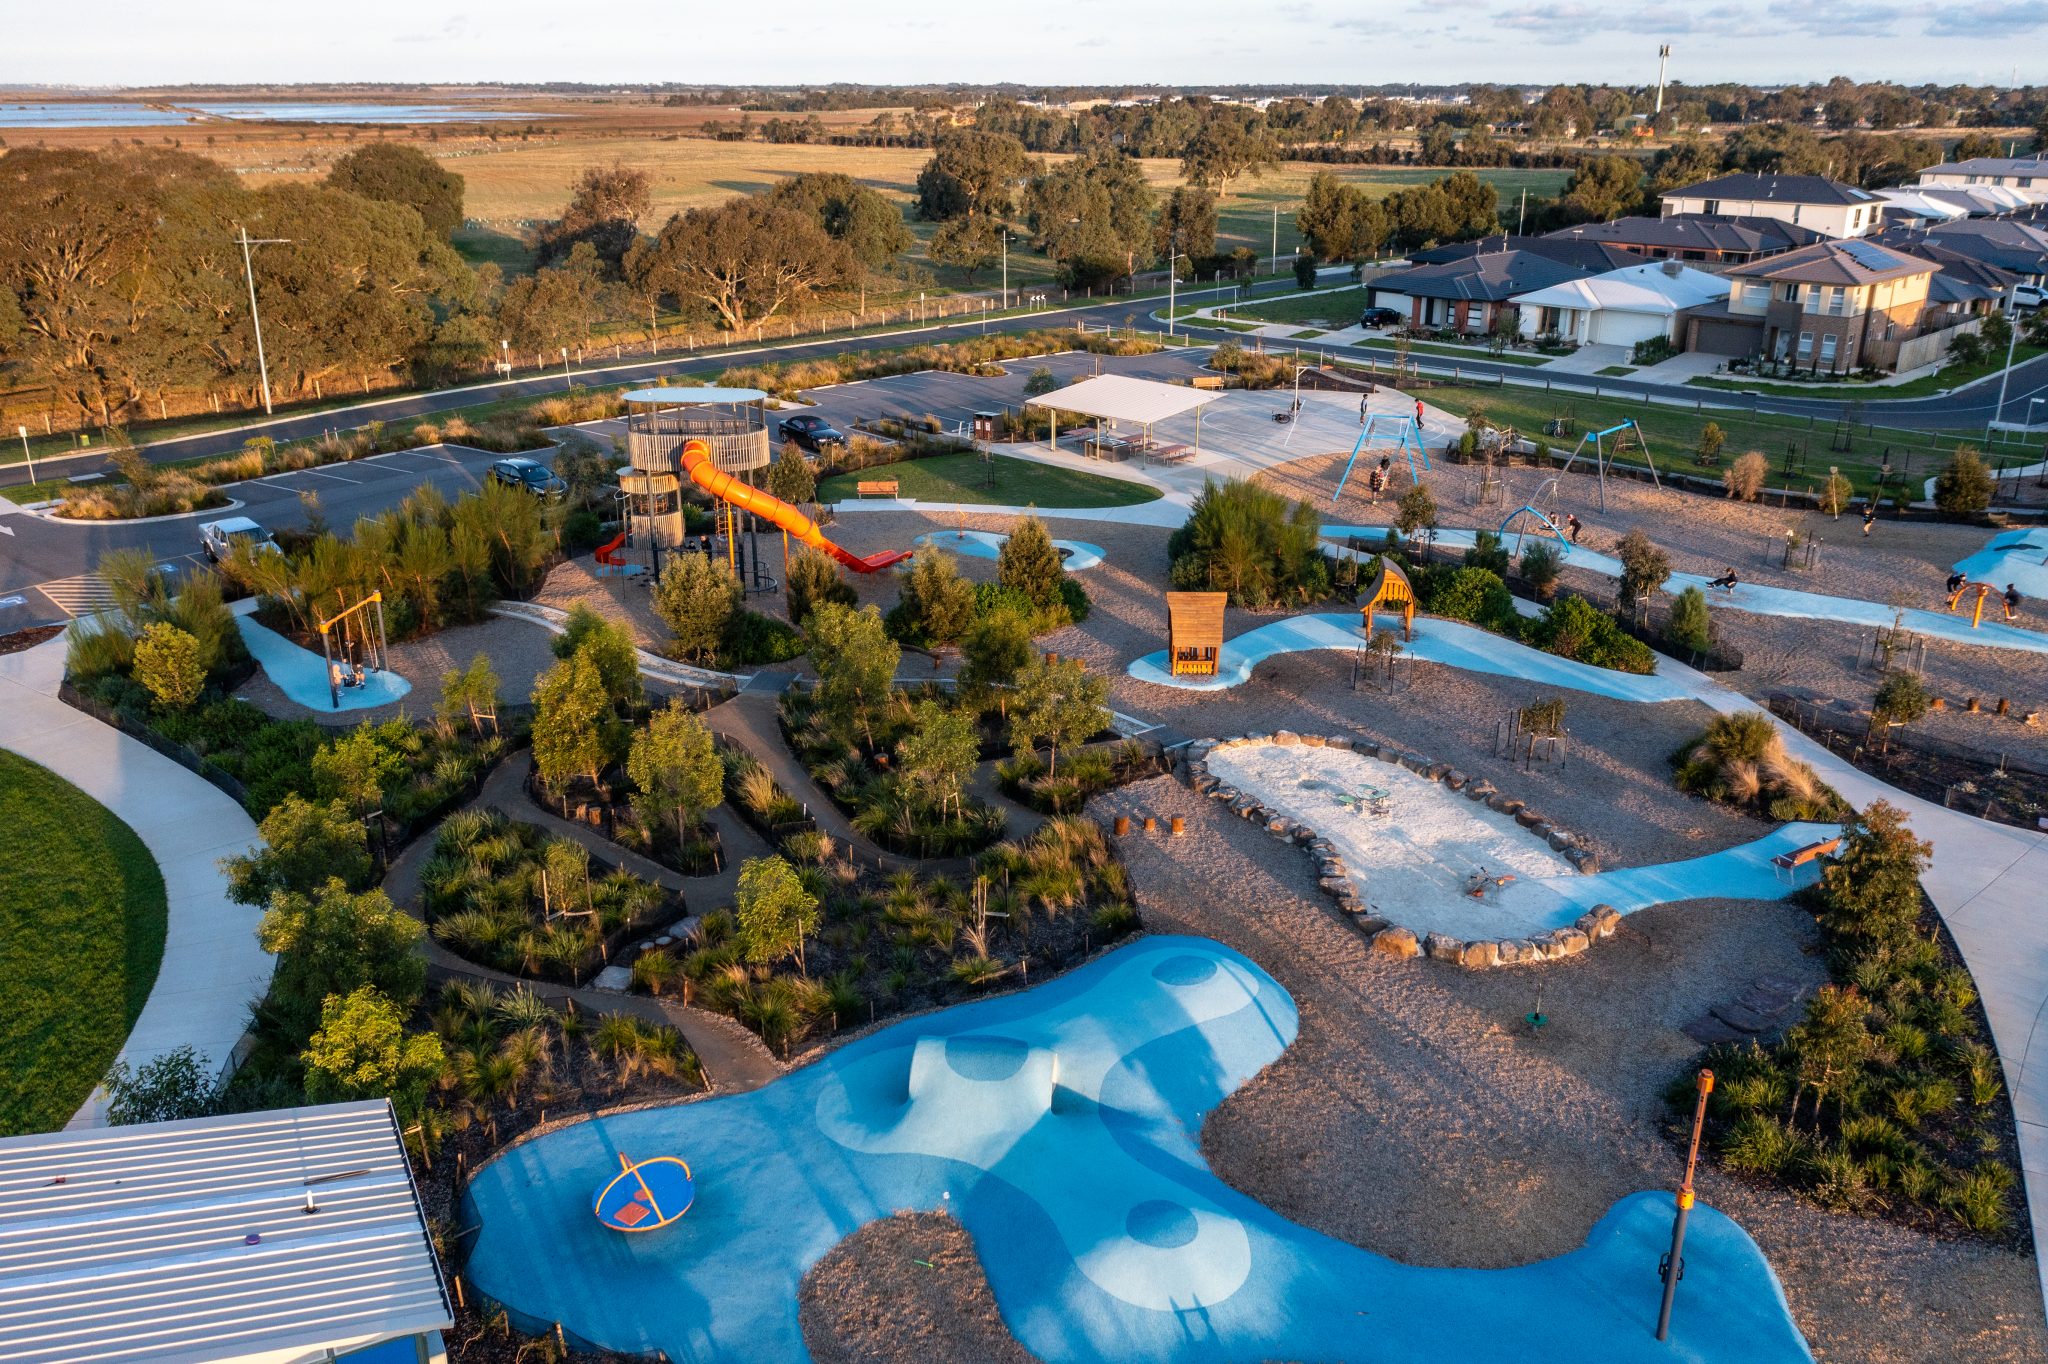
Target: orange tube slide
<point>702,472</point>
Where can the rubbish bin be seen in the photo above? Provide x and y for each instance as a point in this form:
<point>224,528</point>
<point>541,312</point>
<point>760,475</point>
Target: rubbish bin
<point>985,425</point>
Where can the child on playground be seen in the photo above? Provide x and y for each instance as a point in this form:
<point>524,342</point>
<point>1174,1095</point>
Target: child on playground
<point>1573,526</point>
<point>2012,602</point>
<point>1375,484</point>
<point>1726,582</point>
<point>1956,583</point>
<point>1869,516</point>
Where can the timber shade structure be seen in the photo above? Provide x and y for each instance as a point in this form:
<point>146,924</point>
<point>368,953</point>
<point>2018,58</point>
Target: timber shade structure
<point>1117,398</point>
<point>1391,591</point>
<point>282,1236</point>
<point>1194,632</point>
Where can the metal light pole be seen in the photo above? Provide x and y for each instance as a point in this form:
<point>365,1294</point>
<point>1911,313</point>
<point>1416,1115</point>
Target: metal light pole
<point>566,380</point>
<point>1006,267</point>
<point>1674,1264</point>
<point>505,358</point>
<point>1276,239</point>
<point>2012,340</point>
<point>256,318</point>
<point>30,456</point>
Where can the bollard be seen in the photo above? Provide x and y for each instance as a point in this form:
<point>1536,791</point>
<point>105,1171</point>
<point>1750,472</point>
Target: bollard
<point>1151,825</point>
<point>1180,826</point>
<point>1123,825</point>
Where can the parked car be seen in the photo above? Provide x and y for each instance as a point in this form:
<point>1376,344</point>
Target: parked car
<point>1381,317</point>
<point>219,538</point>
<point>2029,295</point>
<point>529,475</point>
<point>811,433</point>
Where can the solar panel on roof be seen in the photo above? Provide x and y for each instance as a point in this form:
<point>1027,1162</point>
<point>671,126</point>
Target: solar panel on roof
<point>1870,256</point>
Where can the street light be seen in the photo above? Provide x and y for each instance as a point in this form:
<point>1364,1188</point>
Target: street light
<point>1006,267</point>
<point>29,454</point>
<point>2012,339</point>
<point>256,318</point>
<point>505,358</point>
<point>1177,256</point>
<point>566,380</point>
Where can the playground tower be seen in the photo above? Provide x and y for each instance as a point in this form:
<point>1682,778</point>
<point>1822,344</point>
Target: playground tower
<point>732,422</point>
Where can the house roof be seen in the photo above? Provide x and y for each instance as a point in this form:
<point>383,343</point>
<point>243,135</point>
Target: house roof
<point>1992,165</point>
<point>1588,257</point>
<point>1698,232</point>
<point>1788,189</point>
<point>1118,397</point>
<point>1958,271</point>
<point>1493,277</point>
<point>1837,262</point>
<point>275,1234</point>
<point>1649,288</point>
<point>2007,243</point>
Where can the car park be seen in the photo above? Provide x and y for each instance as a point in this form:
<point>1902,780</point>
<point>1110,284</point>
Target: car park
<point>219,539</point>
<point>811,433</point>
<point>529,475</point>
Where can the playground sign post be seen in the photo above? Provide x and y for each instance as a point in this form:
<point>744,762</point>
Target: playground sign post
<point>1673,1267</point>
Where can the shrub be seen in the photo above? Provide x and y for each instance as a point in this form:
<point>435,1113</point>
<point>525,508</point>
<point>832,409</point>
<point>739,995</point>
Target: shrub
<point>1964,484</point>
<point>1901,698</point>
<point>1472,594</point>
<point>1417,510</point>
<point>1836,493</point>
<point>167,663</point>
<point>697,597</point>
<point>1740,759</point>
<point>1487,553</point>
<point>1040,382</point>
<point>1541,565</point>
<point>1305,270</point>
<point>1712,438</point>
<point>1688,627</point>
<point>756,640</point>
<point>1574,628</point>
<point>1248,541</point>
<point>1644,569</point>
<point>814,578</point>
<point>1029,564</point>
<point>1744,479</point>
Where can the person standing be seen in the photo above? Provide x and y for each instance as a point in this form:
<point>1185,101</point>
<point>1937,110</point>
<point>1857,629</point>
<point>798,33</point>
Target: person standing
<point>1418,416</point>
<point>1376,484</point>
<point>2012,602</point>
<point>1574,526</point>
<point>1363,400</point>
<point>1869,516</point>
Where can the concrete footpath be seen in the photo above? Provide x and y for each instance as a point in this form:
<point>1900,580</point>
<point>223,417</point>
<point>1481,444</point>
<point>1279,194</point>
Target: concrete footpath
<point>213,968</point>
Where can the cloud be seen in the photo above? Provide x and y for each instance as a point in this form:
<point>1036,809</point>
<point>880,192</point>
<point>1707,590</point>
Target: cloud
<point>1836,21</point>
<point>1570,21</point>
<point>1990,21</point>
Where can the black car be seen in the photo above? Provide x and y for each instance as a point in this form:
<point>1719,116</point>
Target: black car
<point>530,476</point>
<point>1380,317</point>
<point>811,433</point>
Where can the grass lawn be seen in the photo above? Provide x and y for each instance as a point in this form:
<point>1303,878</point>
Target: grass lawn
<point>1948,376</point>
<point>1334,307</point>
<point>1674,433</point>
<point>82,918</point>
<point>1016,483</point>
<point>1506,357</point>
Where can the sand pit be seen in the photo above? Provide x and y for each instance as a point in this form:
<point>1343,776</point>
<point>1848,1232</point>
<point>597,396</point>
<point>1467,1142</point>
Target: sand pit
<point>1414,862</point>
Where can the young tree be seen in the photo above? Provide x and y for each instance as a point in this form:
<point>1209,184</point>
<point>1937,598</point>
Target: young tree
<point>1964,484</point>
<point>939,753</point>
<point>1029,564</point>
<point>697,598</point>
<point>332,941</point>
<point>355,768</point>
<point>610,649</point>
<point>1712,438</point>
<point>856,662</point>
<point>1416,510</point>
<point>1901,699</point>
<point>676,772</point>
<point>470,693</point>
<point>937,600</point>
<point>1541,564</point>
<point>813,580</point>
<point>790,477</point>
<point>361,1050</point>
<point>305,845</point>
<point>172,1086</point>
<point>1057,703</point>
<point>775,912</point>
<point>1870,893</point>
<point>167,664</point>
<point>1688,626</point>
<point>996,649</point>
<point>1829,1043</point>
<point>1040,382</point>
<point>569,710</point>
<point>1644,569</point>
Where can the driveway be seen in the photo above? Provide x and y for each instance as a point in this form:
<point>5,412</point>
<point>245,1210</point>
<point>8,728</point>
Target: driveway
<point>1680,368</point>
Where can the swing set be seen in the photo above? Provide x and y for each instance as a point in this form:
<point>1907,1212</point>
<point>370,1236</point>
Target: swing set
<point>1623,432</point>
<point>358,645</point>
<point>1544,521</point>
<point>1407,437</point>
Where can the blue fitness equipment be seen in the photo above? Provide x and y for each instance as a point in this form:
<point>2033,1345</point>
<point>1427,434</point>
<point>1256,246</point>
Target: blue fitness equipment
<point>1407,437</point>
<point>1548,525</point>
<point>1601,458</point>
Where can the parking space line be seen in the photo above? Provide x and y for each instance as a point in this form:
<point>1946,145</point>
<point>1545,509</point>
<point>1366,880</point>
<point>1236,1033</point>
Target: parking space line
<point>322,473</point>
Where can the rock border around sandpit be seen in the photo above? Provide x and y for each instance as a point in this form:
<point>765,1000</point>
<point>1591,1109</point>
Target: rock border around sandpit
<point>1388,938</point>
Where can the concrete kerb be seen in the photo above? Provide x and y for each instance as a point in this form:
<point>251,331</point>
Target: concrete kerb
<point>1341,884</point>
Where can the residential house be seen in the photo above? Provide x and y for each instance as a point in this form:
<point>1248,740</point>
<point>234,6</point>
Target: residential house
<point>1621,307</point>
<point>1466,287</point>
<point>1833,307</point>
<point>1929,204</point>
<point>2028,175</point>
<point>1715,237</point>
<point>1829,207</point>
<point>2013,245</point>
<point>1964,287</point>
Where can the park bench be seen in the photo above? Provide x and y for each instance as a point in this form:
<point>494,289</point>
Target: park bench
<point>1209,381</point>
<point>1172,454</point>
<point>875,487</point>
<point>1798,857</point>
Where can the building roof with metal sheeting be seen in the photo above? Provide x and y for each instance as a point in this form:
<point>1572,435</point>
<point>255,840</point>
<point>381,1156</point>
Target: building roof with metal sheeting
<point>1118,397</point>
<point>192,1242</point>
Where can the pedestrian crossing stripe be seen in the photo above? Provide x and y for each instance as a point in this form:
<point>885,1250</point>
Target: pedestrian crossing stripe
<point>82,595</point>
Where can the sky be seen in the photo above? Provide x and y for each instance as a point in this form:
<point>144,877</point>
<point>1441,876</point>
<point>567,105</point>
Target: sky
<point>1079,42</point>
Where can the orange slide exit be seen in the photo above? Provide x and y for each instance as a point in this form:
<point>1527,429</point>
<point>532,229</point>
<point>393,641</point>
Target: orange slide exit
<point>697,464</point>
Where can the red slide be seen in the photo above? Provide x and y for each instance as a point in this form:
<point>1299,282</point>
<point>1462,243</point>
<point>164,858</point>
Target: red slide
<point>608,553</point>
<point>697,464</point>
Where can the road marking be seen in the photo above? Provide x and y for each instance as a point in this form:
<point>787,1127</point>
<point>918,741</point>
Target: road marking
<point>322,473</point>
<point>82,595</point>
<point>6,530</point>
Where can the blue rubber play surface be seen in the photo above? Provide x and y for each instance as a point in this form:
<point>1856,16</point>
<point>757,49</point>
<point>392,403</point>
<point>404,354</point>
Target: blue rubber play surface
<point>2019,557</point>
<point>985,544</point>
<point>301,674</point>
<point>1060,1125</point>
